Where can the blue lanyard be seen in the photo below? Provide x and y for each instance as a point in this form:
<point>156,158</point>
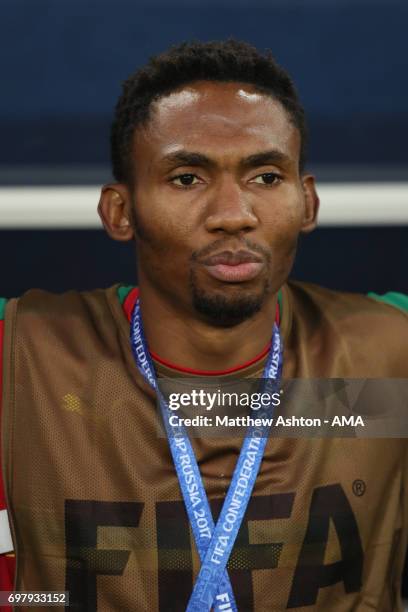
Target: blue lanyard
<point>214,543</point>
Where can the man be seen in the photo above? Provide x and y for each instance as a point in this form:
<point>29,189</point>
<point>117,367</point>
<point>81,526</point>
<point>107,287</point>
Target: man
<point>208,147</point>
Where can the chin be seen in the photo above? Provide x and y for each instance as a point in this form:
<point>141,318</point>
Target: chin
<point>228,307</point>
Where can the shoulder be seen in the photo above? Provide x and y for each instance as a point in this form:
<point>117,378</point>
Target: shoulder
<point>345,306</point>
<point>44,303</point>
<point>38,314</point>
<point>362,329</point>
<point>392,298</point>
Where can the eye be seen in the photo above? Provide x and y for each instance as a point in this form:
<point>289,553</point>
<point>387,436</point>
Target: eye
<point>185,180</point>
<point>267,178</point>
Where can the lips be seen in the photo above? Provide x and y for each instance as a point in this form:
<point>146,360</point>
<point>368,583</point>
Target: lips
<point>234,267</point>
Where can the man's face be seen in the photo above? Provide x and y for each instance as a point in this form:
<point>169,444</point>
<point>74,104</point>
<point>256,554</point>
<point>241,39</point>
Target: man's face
<point>218,200</point>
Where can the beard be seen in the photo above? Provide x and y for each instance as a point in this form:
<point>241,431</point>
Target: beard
<point>223,310</point>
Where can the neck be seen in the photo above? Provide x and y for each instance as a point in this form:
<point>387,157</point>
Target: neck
<point>180,337</point>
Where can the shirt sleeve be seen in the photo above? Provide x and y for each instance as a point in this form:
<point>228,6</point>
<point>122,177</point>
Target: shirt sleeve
<point>7,559</point>
<point>393,298</point>
<point>2,499</point>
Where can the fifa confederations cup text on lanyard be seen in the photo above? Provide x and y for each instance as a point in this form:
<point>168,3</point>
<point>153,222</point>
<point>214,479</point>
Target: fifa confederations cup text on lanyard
<point>214,543</point>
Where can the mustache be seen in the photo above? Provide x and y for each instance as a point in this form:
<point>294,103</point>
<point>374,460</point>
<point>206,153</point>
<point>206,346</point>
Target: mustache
<point>226,244</point>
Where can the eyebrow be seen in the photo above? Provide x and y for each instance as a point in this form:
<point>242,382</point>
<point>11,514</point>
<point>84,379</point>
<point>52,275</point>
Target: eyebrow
<point>187,158</point>
<point>192,158</point>
<point>272,156</point>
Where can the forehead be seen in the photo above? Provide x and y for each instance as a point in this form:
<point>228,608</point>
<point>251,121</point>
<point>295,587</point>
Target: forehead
<point>218,119</point>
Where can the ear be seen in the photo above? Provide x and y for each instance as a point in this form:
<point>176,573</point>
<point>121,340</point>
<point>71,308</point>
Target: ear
<point>311,203</point>
<point>114,209</point>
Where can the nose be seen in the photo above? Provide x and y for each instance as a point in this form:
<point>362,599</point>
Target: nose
<point>229,209</point>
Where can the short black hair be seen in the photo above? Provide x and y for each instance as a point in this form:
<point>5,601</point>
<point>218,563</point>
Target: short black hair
<point>223,61</point>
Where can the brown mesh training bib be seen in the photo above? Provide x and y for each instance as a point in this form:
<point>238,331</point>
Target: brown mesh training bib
<point>94,498</point>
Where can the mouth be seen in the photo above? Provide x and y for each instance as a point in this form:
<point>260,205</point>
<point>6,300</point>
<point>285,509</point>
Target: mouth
<point>234,267</point>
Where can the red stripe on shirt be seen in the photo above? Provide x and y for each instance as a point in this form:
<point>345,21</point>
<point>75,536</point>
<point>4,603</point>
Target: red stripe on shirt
<point>7,562</point>
<point>2,497</point>
<point>128,306</point>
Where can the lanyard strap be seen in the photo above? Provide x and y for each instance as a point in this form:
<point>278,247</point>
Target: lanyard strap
<point>194,495</point>
<point>214,544</point>
<point>238,496</point>
<point>188,473</point>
